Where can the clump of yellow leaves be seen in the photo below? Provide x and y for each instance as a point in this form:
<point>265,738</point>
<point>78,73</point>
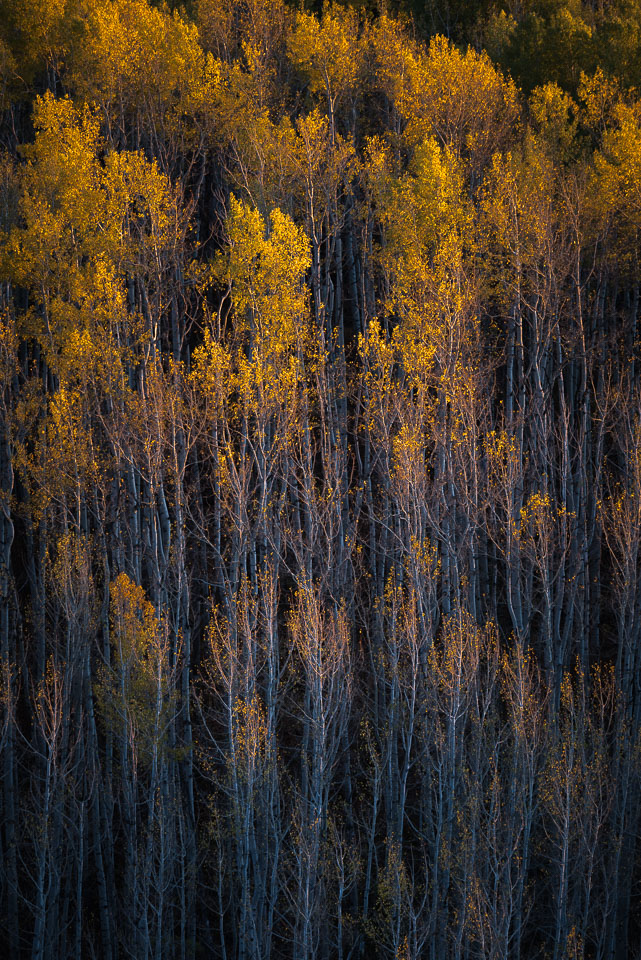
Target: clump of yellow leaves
<point>138,61</point>
<point>265,266</point>
<point>135,691</point>
<point>92,220</point>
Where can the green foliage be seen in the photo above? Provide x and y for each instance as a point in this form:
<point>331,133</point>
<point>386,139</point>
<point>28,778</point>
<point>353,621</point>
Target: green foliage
<point>555,41</point>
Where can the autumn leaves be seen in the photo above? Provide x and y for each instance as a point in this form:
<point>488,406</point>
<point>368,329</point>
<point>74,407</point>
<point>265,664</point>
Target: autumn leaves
<point>320,486</point>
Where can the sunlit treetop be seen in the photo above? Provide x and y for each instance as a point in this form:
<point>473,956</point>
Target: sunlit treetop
<point>145,67</point>
<point>91,219</point>
<point>463,100</point>
<point>266,266</point>
<point>618,165</point>
<point>328,53</point>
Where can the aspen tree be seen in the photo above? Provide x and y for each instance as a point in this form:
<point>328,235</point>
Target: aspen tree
<point>561,789</point>
<point>432,297</point>
<point>150,78</point>
<point>464,101</point>
<point>238,659</point>
<point>451,673</point>
<point>38,38</point>
<point>8,629</point>
<point>519,224</point>
<point>329,54</point>
<point>51,780</point>
<point>393,63</point>
<point>323,647</point>
<point>621,521</point>
<point>135,697</point>
<point>525,695</point>
<point>270,311</point>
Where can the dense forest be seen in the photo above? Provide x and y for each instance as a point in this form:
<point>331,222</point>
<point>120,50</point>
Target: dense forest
<point>320,480</point>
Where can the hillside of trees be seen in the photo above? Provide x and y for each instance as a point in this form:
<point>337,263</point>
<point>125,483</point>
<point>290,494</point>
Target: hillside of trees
<point>320,480</point>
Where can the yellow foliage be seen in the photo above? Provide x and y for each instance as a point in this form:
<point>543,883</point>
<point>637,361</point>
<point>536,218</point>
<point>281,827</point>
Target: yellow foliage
<point>455,660</point>
<point>249,737</point>
<point>518,213</point>
<point>90,223</point>
<point>265,171</point>
<point>60,198</point>
<point>428,230</point>
<point>135,693</point>
<point>143,213</point>
<point>135,58</point>
<point>393,62</point>
<point>60,460</point>
<point>598,95</point>
<point>8,351</point>
<point>73,580</point>
<point>424,205</point>
<point>327,51</point>
<point>524,694</point>
<point>555,118</point>
<point>541,525</point>
<point>265,266</point>
<point>43,31</point>
<point>323,162</point>
<point>217,26</point>
<point>211,373</point>
<point>408,463</point>
<point>617,179</point>
<point>503,456</point>
<point>255,25</point>
<point>463,100</point>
